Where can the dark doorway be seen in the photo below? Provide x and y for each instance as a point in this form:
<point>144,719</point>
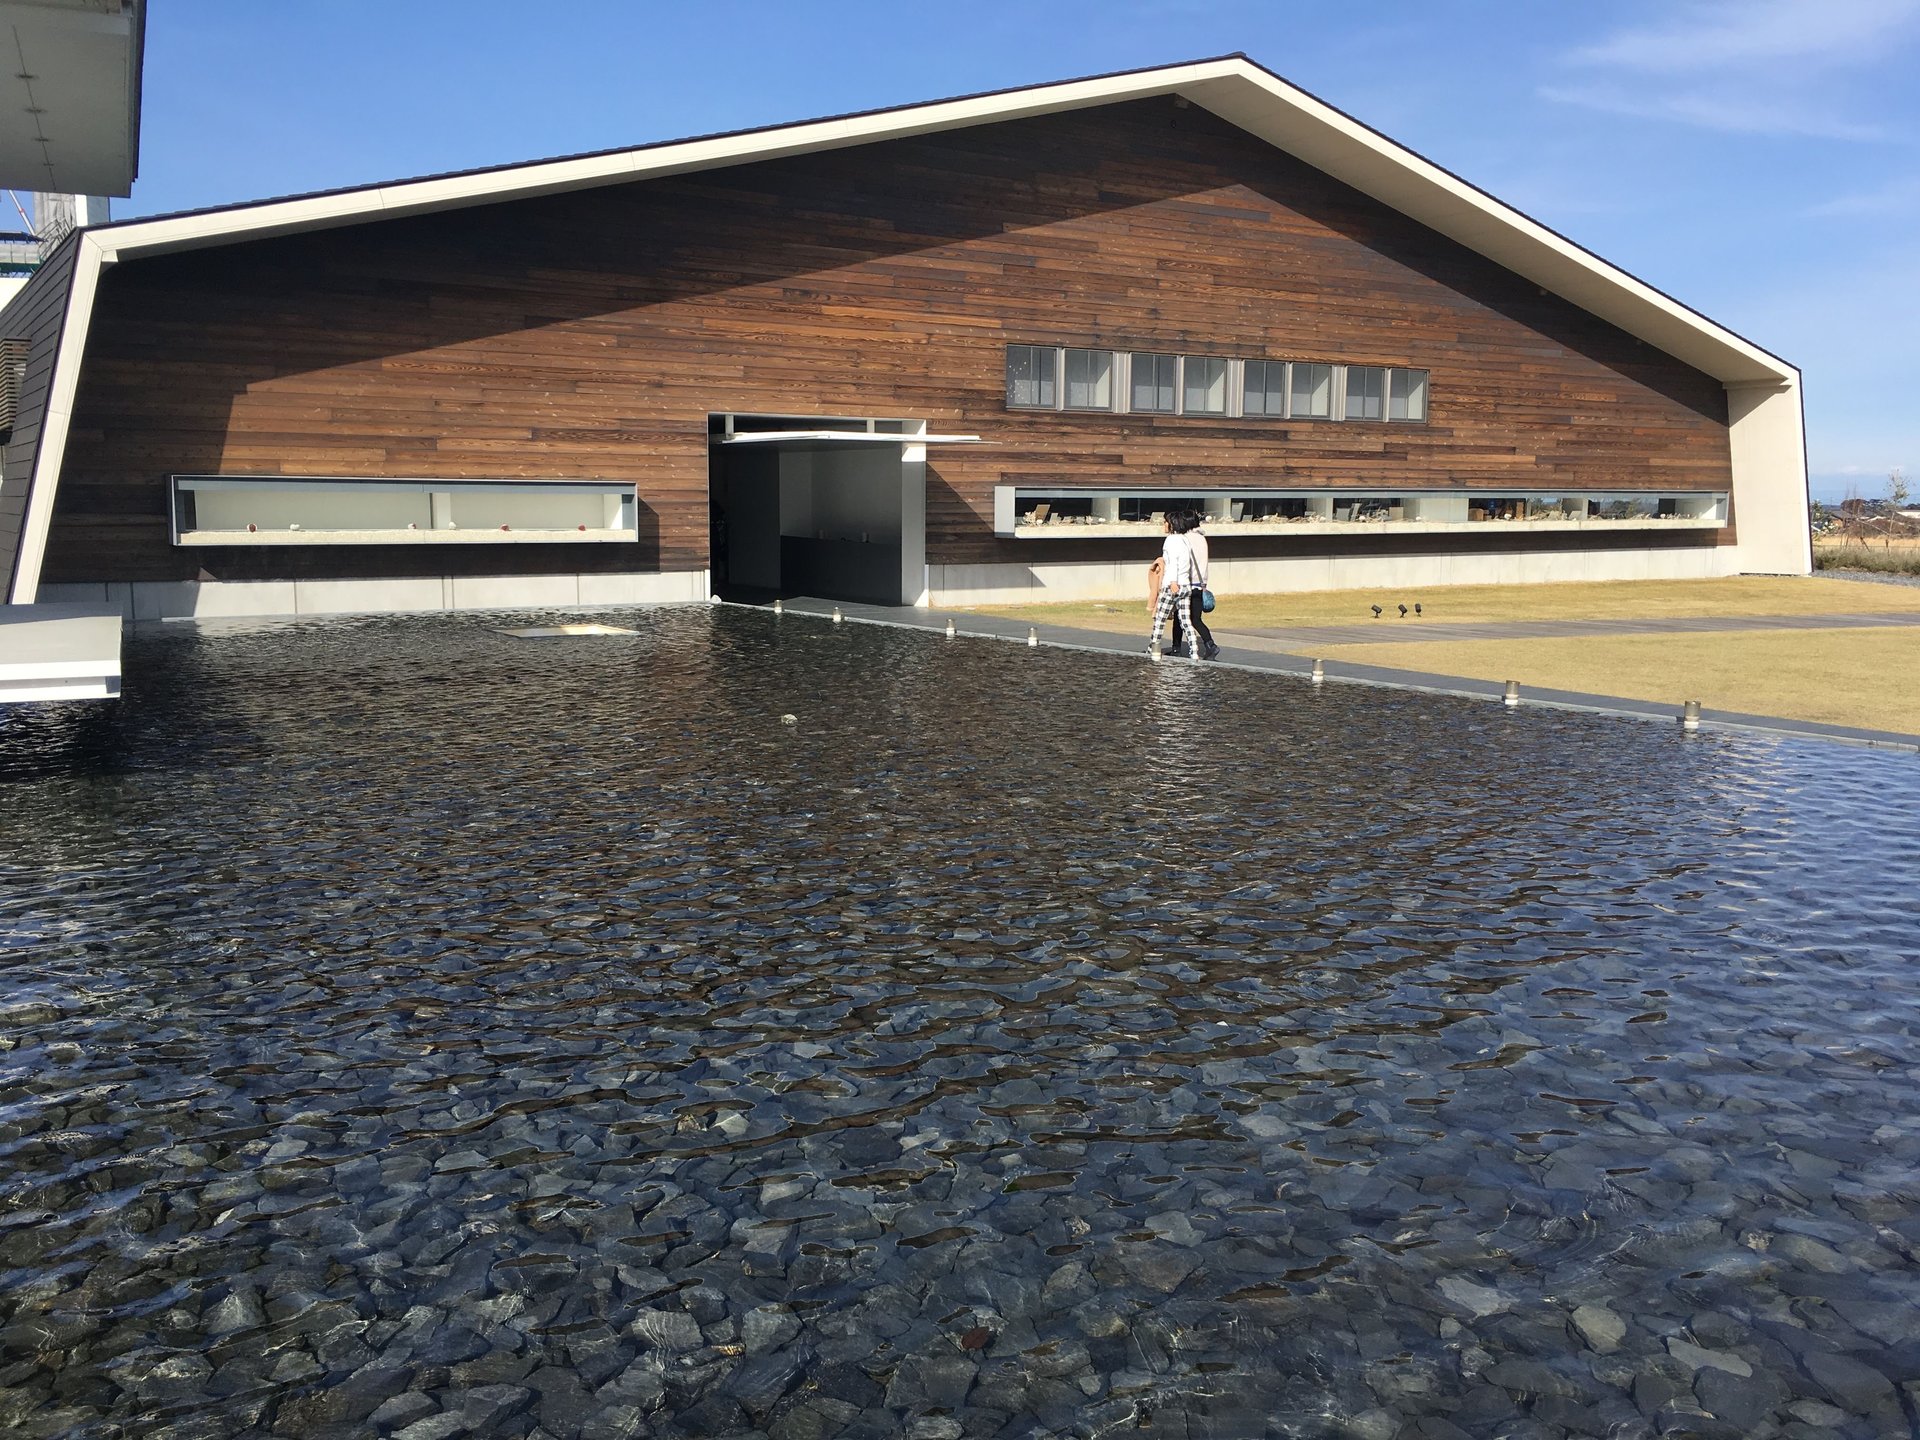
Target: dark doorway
<point>804,506</point>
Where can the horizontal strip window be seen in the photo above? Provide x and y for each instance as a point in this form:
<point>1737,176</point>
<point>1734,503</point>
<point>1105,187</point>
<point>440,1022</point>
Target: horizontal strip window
<point>278,510</point>
<point>1147,382</point>
<point>1029,512</point>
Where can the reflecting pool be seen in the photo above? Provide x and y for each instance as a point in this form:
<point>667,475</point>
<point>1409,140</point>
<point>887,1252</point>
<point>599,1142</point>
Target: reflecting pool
<point>407,1028</point>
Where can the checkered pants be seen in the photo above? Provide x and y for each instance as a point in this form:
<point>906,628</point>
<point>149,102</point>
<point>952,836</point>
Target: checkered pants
<point>1175,602</point>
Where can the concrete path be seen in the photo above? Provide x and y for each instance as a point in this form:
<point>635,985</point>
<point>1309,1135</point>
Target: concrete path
<point>1261,656</point>
<point>1391,630</point>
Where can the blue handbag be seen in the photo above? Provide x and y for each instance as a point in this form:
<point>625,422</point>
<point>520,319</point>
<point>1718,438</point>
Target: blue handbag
<point>1206,602</point>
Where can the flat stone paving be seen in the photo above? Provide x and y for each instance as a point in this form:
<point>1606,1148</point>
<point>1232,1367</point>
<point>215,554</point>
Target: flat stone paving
<point>1257,650</point>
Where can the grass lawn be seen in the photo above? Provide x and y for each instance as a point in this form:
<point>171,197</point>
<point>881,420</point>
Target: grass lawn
<point>1867,677</point>
<point>1608,600</point>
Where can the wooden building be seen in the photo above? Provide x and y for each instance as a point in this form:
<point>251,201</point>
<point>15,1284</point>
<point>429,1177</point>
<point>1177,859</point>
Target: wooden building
<point>962,351</point>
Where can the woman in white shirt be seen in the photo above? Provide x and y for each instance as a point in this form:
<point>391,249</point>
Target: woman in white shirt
<point>1176,592</point>
<point>1197,543</point>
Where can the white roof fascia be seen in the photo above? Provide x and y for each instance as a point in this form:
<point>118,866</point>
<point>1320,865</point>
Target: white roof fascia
<point>63,385</point>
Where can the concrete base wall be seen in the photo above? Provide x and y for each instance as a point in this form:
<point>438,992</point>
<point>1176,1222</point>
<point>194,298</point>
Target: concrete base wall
<point>205,599</point>
<point>1037,584</point>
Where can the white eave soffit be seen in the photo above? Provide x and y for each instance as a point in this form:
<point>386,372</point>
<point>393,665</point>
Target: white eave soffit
<point>1234,88</point>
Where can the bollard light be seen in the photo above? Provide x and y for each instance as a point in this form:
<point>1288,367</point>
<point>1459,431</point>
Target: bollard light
<point>1033,636</point>
<point>836,614</point>
<point>1690,715</point>
<point>1512,697</point>
<point>776,606</point>
<point>1319,672</point>
<point>949,627</point>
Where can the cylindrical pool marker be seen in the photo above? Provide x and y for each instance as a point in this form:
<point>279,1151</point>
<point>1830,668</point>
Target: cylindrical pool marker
<point>1512,697</point>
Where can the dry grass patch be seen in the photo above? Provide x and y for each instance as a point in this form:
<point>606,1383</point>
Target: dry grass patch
<point>1608,600</point>
<point>1866,677</point>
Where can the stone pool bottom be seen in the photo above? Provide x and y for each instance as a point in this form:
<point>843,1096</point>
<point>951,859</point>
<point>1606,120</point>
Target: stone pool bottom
<point>407,1029</point>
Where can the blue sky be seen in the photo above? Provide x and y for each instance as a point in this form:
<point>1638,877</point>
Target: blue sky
<point>1758,159</point>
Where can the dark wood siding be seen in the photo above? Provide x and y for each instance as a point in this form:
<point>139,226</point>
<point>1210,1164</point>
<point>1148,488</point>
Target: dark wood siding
<point>35,315</point>
<point>590,335</point>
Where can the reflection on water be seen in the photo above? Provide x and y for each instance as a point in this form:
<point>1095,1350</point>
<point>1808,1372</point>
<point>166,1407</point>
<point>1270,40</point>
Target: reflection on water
<point>406,1028</point>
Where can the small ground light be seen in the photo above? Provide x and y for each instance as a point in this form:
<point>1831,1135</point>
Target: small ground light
<point>777,609</point>
<point>1690,715</point>
<point>836,614</point>
<point>1512,697</point>
<point>1319,672</point>
<point>1033,636</point>
<point>949,627</point>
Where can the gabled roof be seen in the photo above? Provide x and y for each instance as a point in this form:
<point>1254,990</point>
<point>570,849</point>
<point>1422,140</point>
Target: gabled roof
<point>1232,86</point>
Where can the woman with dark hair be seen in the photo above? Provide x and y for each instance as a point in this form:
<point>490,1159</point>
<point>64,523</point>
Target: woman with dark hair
<point>1176,591</point>
<point>1196,606</point>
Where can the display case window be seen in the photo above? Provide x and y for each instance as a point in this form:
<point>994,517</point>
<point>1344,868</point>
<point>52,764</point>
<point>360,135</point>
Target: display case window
<point>282,510</point>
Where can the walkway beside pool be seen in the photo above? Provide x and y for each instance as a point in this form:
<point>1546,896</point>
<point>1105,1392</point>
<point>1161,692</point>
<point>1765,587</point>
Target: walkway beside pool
<point>1289,652</point>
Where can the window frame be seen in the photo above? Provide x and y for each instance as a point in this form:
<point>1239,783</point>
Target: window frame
<point>1066,380</point>
<point>1347,395</point>
<point>1052,379</point>
<point>1134,357</point>
<point>1247,388</point>
<point>1334,400</point>
<point>1226,386</point>
<point>1426,394</point>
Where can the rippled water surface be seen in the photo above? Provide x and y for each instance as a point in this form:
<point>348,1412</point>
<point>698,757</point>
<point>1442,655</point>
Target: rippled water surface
<point>408,1029</point>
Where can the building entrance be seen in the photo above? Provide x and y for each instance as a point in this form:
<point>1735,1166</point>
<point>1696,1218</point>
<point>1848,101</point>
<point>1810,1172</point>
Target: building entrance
<point>830,507</point>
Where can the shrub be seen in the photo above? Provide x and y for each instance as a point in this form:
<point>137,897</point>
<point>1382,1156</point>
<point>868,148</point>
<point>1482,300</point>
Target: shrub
<point>1862,557</point>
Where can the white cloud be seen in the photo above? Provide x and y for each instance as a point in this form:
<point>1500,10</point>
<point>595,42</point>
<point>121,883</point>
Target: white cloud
<point>1896,197</point>
<point>1749,67</point>
<point>1714,110</point>
<point>1718,36</point>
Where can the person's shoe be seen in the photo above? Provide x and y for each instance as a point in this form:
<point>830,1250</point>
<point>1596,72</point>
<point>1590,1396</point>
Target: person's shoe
<point>1212,652</point>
